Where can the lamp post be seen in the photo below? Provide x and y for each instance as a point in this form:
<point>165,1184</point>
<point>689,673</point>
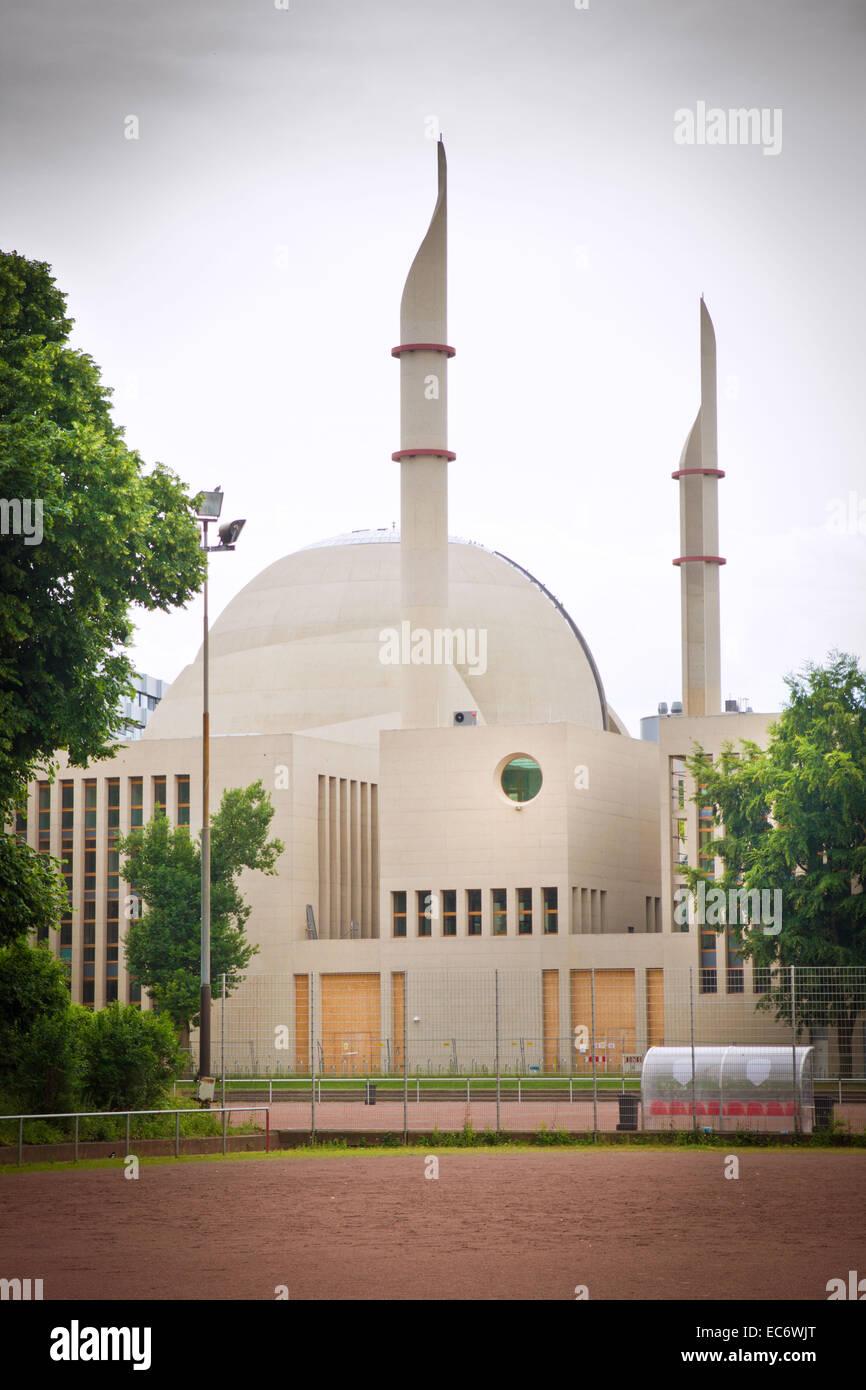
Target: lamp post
<point>209,507</point>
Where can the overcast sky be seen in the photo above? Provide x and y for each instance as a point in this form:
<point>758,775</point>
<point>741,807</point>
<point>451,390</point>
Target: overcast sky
<point>236,273</point>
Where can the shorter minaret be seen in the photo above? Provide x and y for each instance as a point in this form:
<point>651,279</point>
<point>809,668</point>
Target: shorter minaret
<point>423,457</point>
<point>699,560</point>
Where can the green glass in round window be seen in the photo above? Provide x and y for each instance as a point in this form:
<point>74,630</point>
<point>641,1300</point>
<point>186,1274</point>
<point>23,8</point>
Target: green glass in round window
<point>521,779</point>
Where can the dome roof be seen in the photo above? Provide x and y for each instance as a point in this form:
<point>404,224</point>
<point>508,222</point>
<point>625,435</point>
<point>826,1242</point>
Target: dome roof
<point>301,648</point>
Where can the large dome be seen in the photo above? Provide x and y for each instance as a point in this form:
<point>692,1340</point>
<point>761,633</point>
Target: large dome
<point>301,648</point>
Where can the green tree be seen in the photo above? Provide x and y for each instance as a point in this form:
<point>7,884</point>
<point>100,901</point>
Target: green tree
<point>32,891</point>
<point>130,1058</point>
<point>103,534</point>
<point>163,946</point>
<point>792,817</point>
<point>40,1031</point>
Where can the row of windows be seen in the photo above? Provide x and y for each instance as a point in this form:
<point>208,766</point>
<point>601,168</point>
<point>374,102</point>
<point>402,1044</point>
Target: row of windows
<point>136,803</point>
<point>440,909</point>
<point>89,861</point>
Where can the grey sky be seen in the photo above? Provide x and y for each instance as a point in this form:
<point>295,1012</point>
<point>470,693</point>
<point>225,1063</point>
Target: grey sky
<point>238,269</point>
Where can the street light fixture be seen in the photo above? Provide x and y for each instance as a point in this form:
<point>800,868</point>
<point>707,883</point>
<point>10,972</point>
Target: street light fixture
<point>209,506</point>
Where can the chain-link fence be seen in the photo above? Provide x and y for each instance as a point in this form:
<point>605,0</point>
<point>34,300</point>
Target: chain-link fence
<point>507,1049</point>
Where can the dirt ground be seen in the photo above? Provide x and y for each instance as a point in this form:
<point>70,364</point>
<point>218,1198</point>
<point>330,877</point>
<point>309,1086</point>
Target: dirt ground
<point>632,1225</point>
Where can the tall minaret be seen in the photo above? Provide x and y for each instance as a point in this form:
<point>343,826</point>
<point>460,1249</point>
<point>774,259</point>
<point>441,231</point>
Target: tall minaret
<point>423,457</point>
<point>699,559</point>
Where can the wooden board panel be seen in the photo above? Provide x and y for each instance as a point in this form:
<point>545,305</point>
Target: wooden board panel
<point>614,1015</point>
<point>655,1007</point>
<point>398,1006</point>
<point>302,1023</point>
<point>351,1031</point>
<point>550,1017</point>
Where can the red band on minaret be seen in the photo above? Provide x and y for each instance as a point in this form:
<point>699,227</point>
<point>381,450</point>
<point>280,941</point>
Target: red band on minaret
<point>429,453</point>
<point>423,347</point>
<point>709,559</point>
<point>707,472</point>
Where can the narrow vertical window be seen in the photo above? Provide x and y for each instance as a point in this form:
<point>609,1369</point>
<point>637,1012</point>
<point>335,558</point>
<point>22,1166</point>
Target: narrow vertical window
<point>473,911</point>
<point>499,904</point>
<point>551,911</point>
<point>524,912</point>
<point>398,914</point>
<point>424,912</point>
<point>449,912</point>
<point>182,785</point>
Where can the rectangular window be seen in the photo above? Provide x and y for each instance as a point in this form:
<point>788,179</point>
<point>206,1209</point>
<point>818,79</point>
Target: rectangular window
<point>136,803</point>
<point>67,844</point>
<point>550,897</point>
<point>762,980</point>
<point>398,914</point>
<point>112,864</point>
<point>449,912</point>
<point>708,961</point>
<point>134,992</point>
<point>473,911</point>
<point>89,841</point>
<point>499,908</point>
<point>21,825</point>
<point>43,843</point>
<point>159,805</point>
<point>182,784</point>
<point>736,983</point>
<point>424,912</point>
<point>524,912</point>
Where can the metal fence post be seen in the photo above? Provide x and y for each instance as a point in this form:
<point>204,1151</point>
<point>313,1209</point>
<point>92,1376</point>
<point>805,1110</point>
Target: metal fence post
<point>223,1039</point>
<point>312,1056</point>
<point>594,1058</point>
<point>177,1134</point>
<point>406,1057</point>
<point>127,1133</point>
<point>76,1138</point>
<point>692,1030</point>
<point>794,1051</point>
<point>225,1128</point>
<point>498,1075</point>
<point>20,1138</point>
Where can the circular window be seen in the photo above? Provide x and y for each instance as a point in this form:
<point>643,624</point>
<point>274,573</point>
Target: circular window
<point>521,778</point>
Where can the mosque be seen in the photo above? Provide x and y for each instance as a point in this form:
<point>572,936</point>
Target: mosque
<point>454,790</point>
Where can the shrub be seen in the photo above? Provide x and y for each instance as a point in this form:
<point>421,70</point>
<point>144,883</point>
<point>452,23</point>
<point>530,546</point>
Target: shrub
<point>130,1059</point>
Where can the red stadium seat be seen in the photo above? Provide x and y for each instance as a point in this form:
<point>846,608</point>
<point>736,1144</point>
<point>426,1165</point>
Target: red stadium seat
<point>658,1107</point>
<point>754,1107</point>
<point>679,1107</point>
<point>734,1107</point>
<point>775,1107</point>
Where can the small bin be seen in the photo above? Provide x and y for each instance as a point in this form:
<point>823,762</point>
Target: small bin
<point>823,1111</point>
<point>370,1093</point>
<point>628,1104</point>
